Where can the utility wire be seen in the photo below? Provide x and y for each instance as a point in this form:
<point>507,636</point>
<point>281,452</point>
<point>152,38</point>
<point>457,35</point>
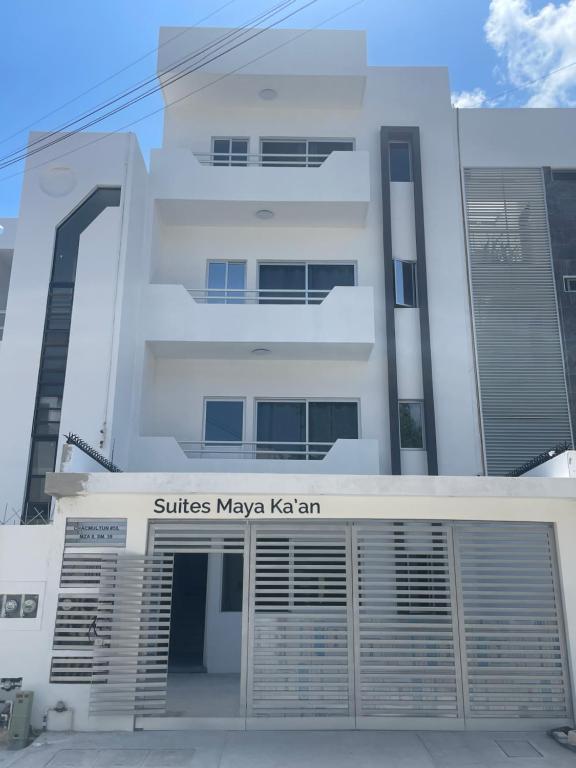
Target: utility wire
<point>216,45</point>
<point>188,95</point>
<point>118,72</point>
<point>531,82</point>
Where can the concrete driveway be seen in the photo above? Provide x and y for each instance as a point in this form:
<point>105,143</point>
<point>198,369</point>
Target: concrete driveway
<point>341,749</point>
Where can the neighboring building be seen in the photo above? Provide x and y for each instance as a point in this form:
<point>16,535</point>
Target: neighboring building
<point>328,277</point>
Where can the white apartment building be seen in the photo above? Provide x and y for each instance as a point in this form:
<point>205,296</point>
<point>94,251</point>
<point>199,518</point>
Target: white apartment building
<point>313,334</point>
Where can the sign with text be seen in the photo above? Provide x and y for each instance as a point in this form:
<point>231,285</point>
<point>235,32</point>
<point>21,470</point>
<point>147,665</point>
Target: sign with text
<point>96,532</point>
<point>278,506</point>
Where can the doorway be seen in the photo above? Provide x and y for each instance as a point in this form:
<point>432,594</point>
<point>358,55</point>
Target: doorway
<point>206,628</point>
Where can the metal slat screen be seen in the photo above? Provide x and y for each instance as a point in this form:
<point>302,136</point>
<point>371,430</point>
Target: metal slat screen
<point>189,537</point>
<point>405,621</point>
<point>130,665</point>
<point>511,622</point>
<point>520,366</point>
<point>300,622</point>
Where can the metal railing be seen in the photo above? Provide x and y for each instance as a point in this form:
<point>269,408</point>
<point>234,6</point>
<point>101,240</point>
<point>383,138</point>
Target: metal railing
<point>270,160</point>
<point>216,449</point>
<point>260,296</point>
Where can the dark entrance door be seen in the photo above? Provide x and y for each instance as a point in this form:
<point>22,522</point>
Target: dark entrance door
<point>188,615</point>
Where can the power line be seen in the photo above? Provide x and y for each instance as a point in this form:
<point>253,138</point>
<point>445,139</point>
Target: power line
<point>188,95</point>
<point>531,82</point>
<point>45,142</point>
<point>118,72</point>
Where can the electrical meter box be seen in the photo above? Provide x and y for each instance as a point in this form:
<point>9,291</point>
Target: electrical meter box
<point>19,728</point>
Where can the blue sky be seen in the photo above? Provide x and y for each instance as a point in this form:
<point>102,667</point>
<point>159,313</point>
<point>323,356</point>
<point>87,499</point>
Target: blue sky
<point>53,50</point>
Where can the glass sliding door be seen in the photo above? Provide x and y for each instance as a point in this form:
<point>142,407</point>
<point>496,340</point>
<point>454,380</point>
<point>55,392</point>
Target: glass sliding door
<point>282,284</point>
<point>323,277</point>
<point>281,429</point>
<point>284,153</point>
<point>328,422</point>
<point>314,425</point>
<point>298,283</point>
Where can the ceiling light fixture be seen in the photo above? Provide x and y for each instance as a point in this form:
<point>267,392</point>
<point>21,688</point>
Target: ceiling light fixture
<point>260,351</point>
<point>264,214</point>
<point>268,94</point>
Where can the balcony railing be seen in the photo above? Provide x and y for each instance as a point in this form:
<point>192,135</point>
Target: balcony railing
<point>198,449</point>
<point>268,160</point>
<point>260,296</point>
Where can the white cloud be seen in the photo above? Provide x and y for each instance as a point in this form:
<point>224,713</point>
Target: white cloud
<point>469,99</point>
<point>531,44</point>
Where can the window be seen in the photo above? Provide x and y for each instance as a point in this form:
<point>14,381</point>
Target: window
<point>301,283</point>
<point>400,163</point>
<point>223,421</point>
<point>301,153</point>
<point>570,284</point>
<point>232,582</point>
<point>230,151</point>
<point>300,429</point>
<point>411,415</point>
<point>226,282</point>
<point>405,283</point>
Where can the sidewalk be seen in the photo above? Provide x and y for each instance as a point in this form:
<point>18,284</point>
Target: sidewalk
<point>295,749</point>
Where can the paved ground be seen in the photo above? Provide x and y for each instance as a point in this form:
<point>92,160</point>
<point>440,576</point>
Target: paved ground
<point>342,749</point>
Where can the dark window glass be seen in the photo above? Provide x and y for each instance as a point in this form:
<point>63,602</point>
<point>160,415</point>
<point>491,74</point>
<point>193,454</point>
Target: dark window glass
<point>570,284</point>
<point>411,424</point>
<point>230,152</point>
<point>224,421</point>
<point>282,153</point>
<point>43,456</point>
<point>36,491</point>
<point>405,283</point>
<point>323,277</point>
<point>282,283</point>
<point>232,582</point>
<point>318,151</point>
<point>279,423</point>
<point>400,165</point>
<point>564,175</point>
<point>328,422</point>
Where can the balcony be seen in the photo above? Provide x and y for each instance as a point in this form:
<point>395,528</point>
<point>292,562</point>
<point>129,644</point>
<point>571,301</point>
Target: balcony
<point>237,324</point>
<point>202,190</point>
<point>166,454</point>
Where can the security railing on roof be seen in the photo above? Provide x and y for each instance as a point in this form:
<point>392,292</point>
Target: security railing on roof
<point>267,160</point>
<point>261,296</point>
<point>216,449</point>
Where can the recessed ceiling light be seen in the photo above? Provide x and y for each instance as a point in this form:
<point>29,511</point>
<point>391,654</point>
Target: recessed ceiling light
<point>260,351</point>
<point>264,214</point>
<point>268,94</point>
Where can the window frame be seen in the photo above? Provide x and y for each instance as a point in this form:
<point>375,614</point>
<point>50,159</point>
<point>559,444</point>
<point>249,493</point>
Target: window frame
<point>226,299</point>
<point>413,266</point>
<point>307,140</point>
<point>410,162</point>
<point>565,278</point>
<point>223,163</point>
<point>421,404</point>
<point>207,399</point>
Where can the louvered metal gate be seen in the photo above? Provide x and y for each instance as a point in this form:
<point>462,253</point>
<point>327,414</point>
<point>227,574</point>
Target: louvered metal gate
<point>301,669</point>
<point>383,624</point>
<point>131,635</point>
<point>407,666</point>
<point>511,625</point>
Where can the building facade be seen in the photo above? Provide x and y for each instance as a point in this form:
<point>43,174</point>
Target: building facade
<point>309,334</point>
